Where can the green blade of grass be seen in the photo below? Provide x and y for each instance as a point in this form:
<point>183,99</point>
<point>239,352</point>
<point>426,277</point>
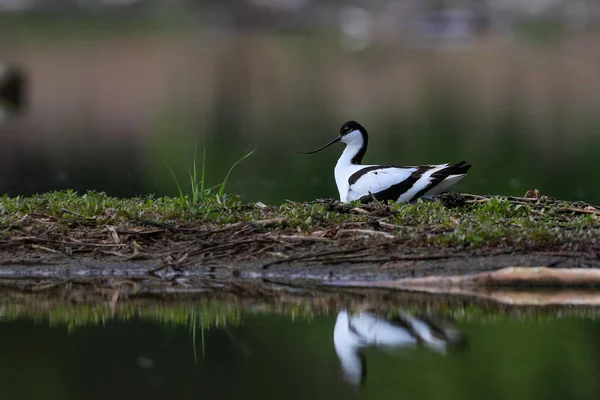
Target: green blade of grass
<point>202,172</point>
<point>194,177</point>
<point>198,184</point>
<point>222,188</point>
<point>181,195</point>
<point>210,189</point>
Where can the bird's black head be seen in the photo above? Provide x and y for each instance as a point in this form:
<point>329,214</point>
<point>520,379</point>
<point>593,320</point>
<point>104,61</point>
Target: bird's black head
<point>359,138</point>
<point>350,126</point>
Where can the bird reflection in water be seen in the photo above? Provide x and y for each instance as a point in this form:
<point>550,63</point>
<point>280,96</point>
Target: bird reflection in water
<point>354,332</point>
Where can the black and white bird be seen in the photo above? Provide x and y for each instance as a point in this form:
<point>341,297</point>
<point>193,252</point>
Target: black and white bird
<point>353,332</point>
<point>386,182</point>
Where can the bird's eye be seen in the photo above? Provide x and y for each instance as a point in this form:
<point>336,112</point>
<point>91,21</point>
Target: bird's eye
<point>347,129</point>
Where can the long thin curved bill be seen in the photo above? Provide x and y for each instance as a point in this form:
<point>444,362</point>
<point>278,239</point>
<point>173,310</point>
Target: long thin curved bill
<point>337,139</point>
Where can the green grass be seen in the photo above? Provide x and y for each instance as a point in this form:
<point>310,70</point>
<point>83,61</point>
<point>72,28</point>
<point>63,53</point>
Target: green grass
<point>497,222</point>
<point>199,193</point>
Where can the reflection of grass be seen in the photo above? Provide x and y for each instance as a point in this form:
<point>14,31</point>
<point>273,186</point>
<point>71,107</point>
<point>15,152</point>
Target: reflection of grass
<point>193,331</point>
<point>205,315</point>
<point>202,315</point>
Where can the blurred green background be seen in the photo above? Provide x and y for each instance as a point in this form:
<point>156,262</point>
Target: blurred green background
<point>115,88</point>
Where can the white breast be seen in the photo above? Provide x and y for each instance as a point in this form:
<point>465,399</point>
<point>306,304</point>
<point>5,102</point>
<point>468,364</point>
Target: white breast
<point>342,173</point>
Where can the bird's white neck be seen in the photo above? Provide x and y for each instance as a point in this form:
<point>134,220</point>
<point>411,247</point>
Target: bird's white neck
<point>356,147</point>
<point>347,164</point>
<point>350,154</point>
<point>347,346</point>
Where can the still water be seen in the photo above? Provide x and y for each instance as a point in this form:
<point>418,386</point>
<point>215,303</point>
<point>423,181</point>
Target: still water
<point>228,352</point>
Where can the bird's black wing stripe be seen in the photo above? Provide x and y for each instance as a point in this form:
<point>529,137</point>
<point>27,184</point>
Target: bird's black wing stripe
<point>395,191</point>
<point>358,174</point>
<point>353,329</point>
<point>401,322</point>
<point>435,328</point>
<point>438,177</point>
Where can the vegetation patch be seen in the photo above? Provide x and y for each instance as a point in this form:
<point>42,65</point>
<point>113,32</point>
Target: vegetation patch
<point>214,229</point>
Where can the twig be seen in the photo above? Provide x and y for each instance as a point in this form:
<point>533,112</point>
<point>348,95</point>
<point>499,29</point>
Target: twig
<point>478,201</point>
<point>114,236</point>
<point>48,249</point>
<point>267,222</point>
<point>21,239</point>
<point>387,225</point>
<point>580,210</point>
<point>262,239</point>
<point>367,232</point>
<point>303,238</point>
<point>314,257</point>
<point>133,232</point>
<point>268,247</point>
<point>71,212</point>
<point>202,233</point>
<point>409,257</point>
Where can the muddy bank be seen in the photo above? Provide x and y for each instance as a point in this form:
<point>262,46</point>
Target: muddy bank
<point>475,279</point>
<point>63,237</point>
<point>397,264</point>
<point>306,267</point>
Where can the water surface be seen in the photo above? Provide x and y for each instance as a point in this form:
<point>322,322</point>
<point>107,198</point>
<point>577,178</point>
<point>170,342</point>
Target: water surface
<point>229,352</point>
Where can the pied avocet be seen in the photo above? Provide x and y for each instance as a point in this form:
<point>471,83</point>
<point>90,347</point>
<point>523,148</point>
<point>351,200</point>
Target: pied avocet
<point>353,332</point>
<point>386,182</point>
